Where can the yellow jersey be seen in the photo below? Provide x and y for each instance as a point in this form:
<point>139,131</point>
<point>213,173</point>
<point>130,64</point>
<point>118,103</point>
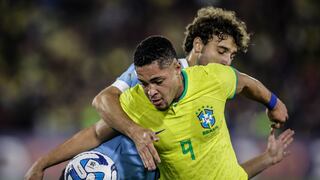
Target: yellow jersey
<point>194,139</point>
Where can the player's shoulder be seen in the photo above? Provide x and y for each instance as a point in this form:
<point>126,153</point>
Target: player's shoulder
<point>210,73</point>
<point>205,68</point>
<point>214,68</point>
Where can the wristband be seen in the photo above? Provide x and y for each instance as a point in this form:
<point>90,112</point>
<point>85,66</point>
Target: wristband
<point>272,103</point>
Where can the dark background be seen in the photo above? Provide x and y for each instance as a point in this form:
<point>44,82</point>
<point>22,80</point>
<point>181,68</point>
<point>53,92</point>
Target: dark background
<point>56,55</point>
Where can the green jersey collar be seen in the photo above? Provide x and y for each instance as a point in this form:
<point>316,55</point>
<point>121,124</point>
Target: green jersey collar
<point>185,84</point>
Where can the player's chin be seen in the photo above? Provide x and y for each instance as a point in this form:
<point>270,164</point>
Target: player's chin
<point>162,107</point>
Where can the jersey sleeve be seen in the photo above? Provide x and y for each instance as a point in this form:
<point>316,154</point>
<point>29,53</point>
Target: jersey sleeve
<point>227,76</point>
<point>125,100</point>
<point>127,79</point>
<point>129,104</point>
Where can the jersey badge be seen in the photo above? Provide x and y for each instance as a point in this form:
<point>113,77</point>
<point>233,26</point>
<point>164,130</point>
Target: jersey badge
<point>207,119</point>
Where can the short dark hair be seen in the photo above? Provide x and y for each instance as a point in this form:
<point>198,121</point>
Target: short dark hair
<point>154,48</point>
<point>212,21</point>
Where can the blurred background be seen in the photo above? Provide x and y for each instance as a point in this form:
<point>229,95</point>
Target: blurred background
<point>56,55</point>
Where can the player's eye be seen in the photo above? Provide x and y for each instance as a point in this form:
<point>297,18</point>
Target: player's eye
<point>159,82</point>
<point>144,84</point>
<point>222,50</point>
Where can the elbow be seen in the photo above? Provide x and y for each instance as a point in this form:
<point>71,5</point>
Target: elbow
<point>100,102</point>
<point>109,94</point>
<point>98,129</point>
<point>96,101</point>
<point>103,131</point>
<point>99,99</point>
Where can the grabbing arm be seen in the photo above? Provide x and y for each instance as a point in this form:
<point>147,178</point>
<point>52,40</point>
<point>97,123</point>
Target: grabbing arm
<point>108,105</point>
<point>255,90</point>
<point>97,133</point>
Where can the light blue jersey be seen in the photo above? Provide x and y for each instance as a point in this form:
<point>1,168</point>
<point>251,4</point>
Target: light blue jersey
<point>127,79</point>
<point>126,158</point>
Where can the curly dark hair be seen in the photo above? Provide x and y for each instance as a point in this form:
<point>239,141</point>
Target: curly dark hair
<point>154,48</point>
<point>212,21</point>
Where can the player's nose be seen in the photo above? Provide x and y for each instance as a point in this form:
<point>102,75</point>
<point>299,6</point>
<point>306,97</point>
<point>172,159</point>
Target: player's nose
<point>152,91</point>
<point>226,60</point>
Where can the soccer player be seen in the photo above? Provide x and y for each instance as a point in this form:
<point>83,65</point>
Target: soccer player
<point>186,107</point>
<point>215,35</point>
<point>221,51</point>
<point>284,141</point>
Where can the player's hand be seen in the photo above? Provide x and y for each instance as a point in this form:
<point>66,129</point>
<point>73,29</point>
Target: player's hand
<point>34,173</point>
<point>279,115</point>
<point>143,139</point>
<point>277,147</point>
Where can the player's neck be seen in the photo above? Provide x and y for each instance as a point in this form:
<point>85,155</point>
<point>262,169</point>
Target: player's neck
<point>192,59</point>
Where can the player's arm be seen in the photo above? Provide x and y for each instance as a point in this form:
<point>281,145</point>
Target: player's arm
<point>108,105</point>
<point>84,140</point>
<point>255,90</point>
<point>276,151</point>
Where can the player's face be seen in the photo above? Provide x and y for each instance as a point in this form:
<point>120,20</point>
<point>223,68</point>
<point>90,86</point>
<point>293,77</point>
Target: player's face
<point>218,51</point>
<point>161,86</point>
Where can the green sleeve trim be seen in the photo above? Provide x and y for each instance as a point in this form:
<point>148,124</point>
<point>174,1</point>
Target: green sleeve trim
<point>185,84</point>
<point>235,88</point>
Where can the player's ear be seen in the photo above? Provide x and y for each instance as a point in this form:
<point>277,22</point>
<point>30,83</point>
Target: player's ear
<point>177,65</point>
<point>197,45</point>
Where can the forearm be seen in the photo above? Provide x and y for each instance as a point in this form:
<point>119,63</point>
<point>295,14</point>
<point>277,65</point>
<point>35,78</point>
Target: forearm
<point>75,145</point>
<point>257,164</point>
<point>252,89</point>
<point>255,90</point>
<point>108,105</point>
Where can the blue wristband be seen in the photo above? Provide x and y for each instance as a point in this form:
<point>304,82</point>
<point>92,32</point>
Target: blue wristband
<point>272,103</point>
